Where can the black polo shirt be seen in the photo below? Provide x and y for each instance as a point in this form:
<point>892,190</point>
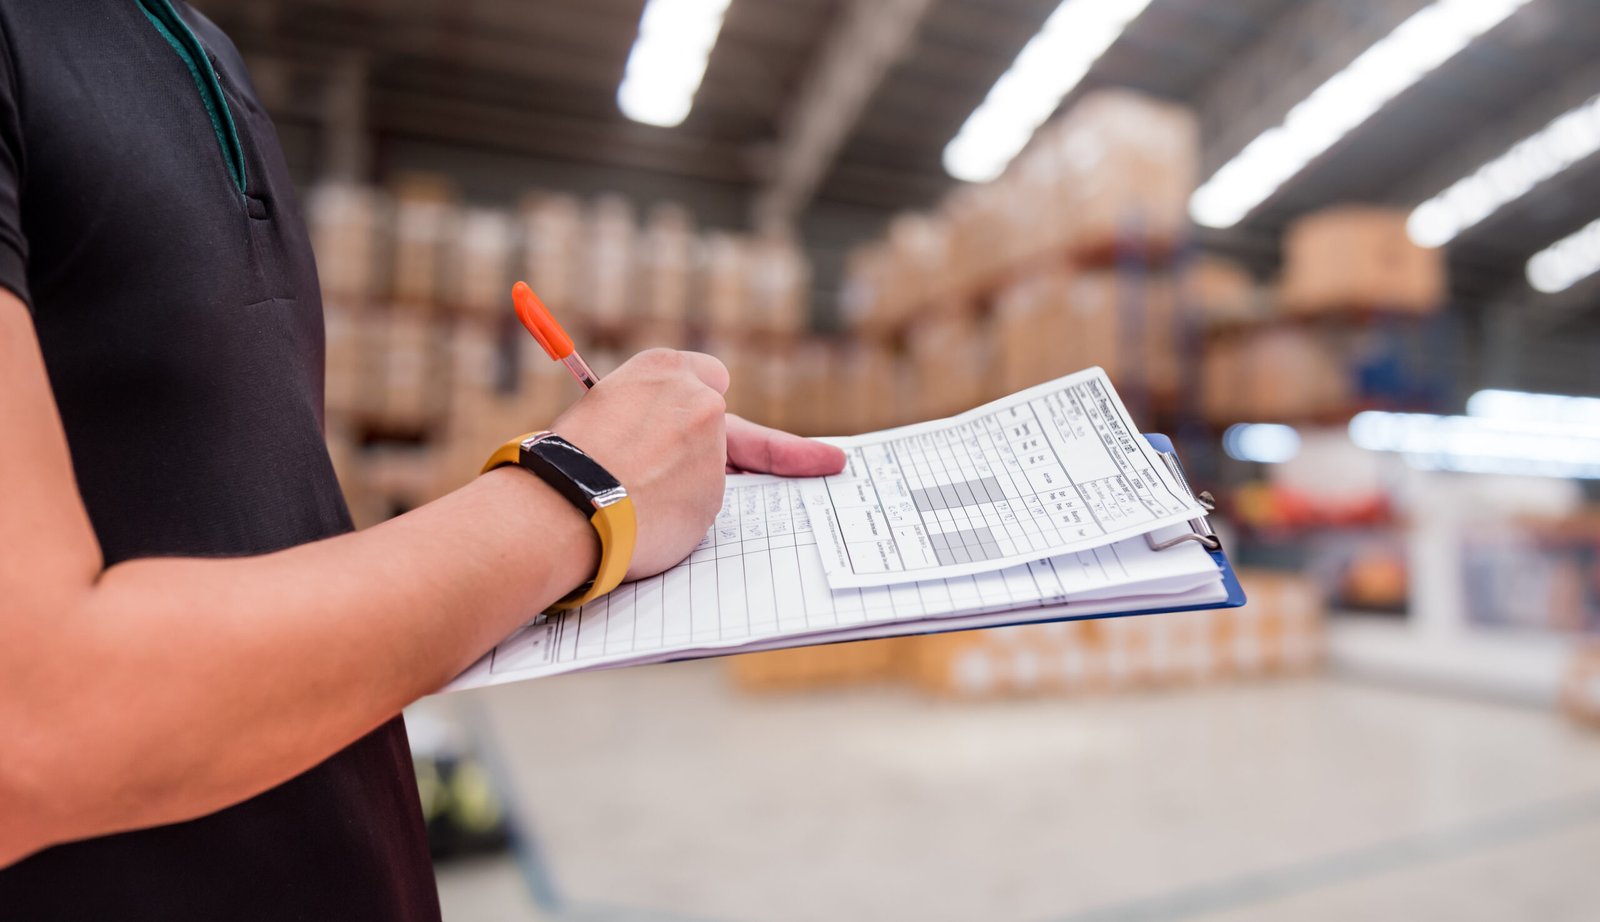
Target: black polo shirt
<point>147,219</point>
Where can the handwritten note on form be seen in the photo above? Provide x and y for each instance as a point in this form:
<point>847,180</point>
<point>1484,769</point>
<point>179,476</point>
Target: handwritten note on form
<point>756,581</point>
<point>1051,470</point>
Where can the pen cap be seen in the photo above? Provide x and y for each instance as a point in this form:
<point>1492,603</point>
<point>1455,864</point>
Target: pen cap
<point>540,322</point>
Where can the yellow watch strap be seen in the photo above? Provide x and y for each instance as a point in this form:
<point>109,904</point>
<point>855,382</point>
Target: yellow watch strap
<point>615,524</point>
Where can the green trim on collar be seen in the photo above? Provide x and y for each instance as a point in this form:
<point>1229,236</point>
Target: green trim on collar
<point>182,39</point>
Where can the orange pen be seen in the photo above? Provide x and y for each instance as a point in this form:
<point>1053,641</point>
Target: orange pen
<point>542,324</point>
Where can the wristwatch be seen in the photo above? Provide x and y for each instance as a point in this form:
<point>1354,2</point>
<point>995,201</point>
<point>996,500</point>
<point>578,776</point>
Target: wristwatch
<point>592,489</point>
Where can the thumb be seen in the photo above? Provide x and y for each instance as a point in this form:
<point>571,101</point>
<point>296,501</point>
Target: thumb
<point>768,451</point>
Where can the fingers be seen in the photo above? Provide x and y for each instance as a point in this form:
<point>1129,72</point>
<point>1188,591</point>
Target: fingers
<point>708,369</point>
<point>769,451</point>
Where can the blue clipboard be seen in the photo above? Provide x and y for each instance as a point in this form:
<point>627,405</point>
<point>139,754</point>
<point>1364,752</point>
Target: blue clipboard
<point>1230,580</point>
<point>1201,533</point>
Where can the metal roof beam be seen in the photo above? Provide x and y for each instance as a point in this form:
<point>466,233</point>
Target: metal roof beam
<point>1306,46</point>
<point>868,38</point>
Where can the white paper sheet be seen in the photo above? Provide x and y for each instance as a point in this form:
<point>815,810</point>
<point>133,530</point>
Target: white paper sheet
<point>1051,470</point>
<point>756,582</point>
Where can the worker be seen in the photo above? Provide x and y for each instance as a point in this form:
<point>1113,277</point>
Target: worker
<point>202,665</point>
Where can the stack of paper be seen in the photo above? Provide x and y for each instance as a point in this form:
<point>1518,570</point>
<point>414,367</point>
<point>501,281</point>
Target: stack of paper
<point>1035,507</point>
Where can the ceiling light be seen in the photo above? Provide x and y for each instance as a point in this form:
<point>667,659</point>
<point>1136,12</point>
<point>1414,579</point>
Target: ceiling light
<point>1567,262</point>
<point>1533,160</point>
<point>1264,443</point>
<point>1482,445</point>
<point>669,59</point>
<point>1046,70</point>
<point>1553,409</point>
<point>1392,65</point>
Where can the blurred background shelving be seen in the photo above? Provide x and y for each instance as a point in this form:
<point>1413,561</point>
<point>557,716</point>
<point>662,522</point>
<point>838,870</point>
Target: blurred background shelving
<point>803,223</point>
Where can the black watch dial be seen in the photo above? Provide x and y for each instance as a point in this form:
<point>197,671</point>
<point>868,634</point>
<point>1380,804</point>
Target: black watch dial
<point>574,474</point>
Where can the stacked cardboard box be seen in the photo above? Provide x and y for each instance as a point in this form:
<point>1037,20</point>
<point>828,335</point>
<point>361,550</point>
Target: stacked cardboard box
<point>1280,633</point>
<point>1277,373</point>
<point>1027,260</point>
<point>428,370</point>
<point>1355,258</point>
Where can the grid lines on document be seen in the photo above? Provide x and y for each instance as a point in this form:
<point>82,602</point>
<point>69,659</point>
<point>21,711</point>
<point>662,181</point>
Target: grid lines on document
<point>744,581</point>
<point>998,485</point>
<point>947,503</point>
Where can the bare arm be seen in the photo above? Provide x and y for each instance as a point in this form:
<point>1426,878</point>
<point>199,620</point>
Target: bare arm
<point>162,689</point>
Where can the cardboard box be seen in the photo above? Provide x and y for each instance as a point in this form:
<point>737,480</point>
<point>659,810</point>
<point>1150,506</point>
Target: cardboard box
<point>1273,374</point>
<point>348,226</point>
<point>610,258</point>
<point>667,256</point>
<point>425,218</point>
<point>863,304</point>
<point>812,668</point>
<point>1280,633</point>
<point>414,376</point>
<point>725,279</point>
<point>1221,291</point>
<point>1129,164</point>
<point>778,285</point>
<point>950,359</point>
<point>1359,258</point>
<point>481,262</point>
<point>552,260</point>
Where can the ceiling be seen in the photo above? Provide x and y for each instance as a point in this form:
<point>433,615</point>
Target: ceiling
<point>535,82</point>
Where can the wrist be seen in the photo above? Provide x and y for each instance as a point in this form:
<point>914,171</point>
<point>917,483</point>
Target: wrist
<point>549,527</point>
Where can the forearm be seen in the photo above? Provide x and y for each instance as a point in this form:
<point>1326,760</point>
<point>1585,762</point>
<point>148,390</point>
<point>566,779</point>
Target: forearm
<point>174,687</point>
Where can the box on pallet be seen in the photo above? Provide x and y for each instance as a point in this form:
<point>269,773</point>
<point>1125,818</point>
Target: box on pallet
<point>667,257</point>
<point>950,358</point>
<point>814,393</point>
<point>354,354</point>
<point>1128,165</point>
<point>872,389</point>
<point>610,259</point>
<point>1221,291</point>
<point>1272,374</point>
<point>778,286</point>
<point>552,235</point>
<point>1359,258</point>
<point>830,666</point>
<point>481,267</point>
<point>724,282</point>
<point>424,230</point>
<point>917,274</point>
<point>861,295</point>
<point>413,378</point>
<point>1278,633</point>
<point>347,225</point>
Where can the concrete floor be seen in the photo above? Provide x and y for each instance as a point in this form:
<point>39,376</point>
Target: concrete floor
<point>661,794</point>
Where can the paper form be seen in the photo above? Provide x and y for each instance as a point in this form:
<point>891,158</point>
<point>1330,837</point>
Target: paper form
<point>756,581</point>
<point>1051,470</point>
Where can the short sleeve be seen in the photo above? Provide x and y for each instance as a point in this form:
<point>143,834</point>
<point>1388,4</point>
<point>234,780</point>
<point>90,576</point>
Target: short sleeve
<point>13,243</point>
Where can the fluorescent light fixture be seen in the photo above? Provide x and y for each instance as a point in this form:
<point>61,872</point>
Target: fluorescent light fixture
<point>1567,262</point>
<point>1264,443</point>
<point>1391,66</point>
<point>668,59</point>
<point>1550,409</point>
<point>1482,445</point>
<point>1533,160</point>
<point>1044,72</point>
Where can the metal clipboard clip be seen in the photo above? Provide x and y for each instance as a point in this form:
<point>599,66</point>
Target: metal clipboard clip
<point>1200,530</point>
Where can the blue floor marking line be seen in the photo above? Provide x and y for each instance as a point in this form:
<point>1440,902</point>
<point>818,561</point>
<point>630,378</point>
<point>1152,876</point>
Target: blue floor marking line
<point>1523,824</point>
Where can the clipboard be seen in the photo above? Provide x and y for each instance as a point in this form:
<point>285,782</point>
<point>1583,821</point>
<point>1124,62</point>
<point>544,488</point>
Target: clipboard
<point>1200,532</point>
<point>488,671</point>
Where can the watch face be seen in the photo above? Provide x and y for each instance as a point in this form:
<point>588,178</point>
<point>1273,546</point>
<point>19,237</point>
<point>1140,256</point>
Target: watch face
<point>577,476</point>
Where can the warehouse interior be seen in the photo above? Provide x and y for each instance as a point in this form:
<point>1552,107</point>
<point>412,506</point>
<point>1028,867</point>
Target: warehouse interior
<point>1346,252</point>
